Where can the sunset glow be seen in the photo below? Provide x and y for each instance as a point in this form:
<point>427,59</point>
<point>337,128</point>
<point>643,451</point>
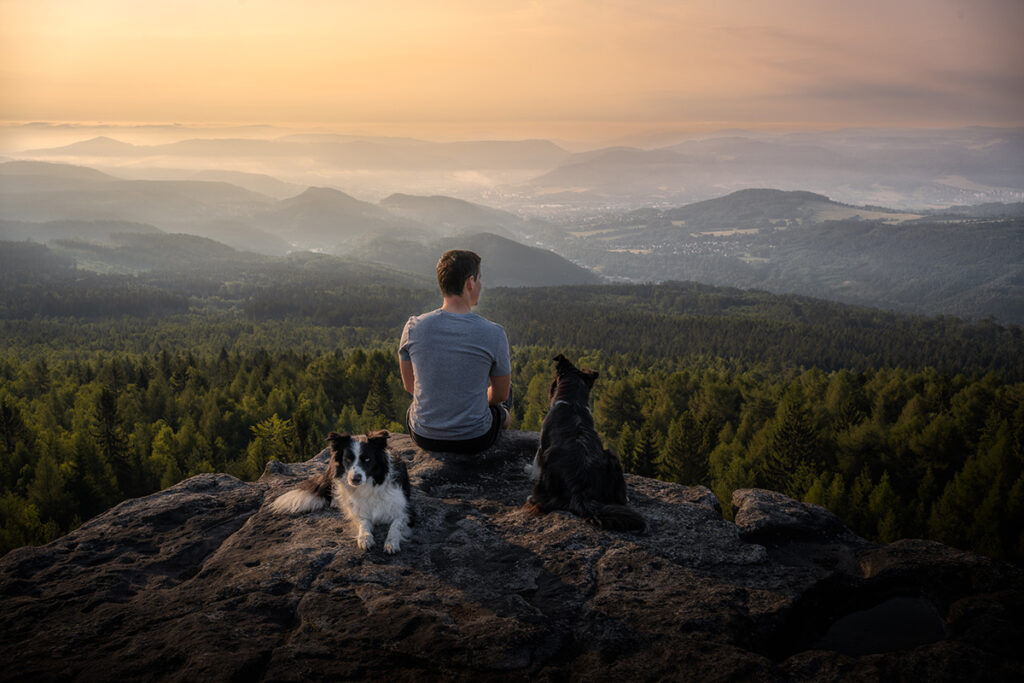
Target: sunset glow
<point>533,67</point>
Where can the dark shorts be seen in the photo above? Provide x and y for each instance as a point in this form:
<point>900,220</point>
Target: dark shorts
<point>475,445</point>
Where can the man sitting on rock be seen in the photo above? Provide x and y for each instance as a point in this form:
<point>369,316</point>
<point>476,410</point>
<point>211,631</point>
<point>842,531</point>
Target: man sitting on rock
<point>456,365</point>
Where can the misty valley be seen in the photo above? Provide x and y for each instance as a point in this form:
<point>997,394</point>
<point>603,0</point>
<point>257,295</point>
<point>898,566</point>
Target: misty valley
<point>924,222</point>
<point>823,315</point>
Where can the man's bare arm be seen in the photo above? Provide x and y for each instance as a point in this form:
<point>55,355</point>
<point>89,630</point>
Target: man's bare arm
<point>499,388</point>
<point>408,375</point>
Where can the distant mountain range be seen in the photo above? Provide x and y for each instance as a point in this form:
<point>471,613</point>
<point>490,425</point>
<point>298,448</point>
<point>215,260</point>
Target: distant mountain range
<point>316,218</point>
<point>133,225</point>
<point>902,168</point>
<point>961,259</point>
<point>953,261</point>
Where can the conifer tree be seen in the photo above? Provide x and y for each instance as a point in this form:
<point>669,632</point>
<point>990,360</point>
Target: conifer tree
<point>617,407</point>
<point>12,425</point>
<point>885,506</point>
<point>645,451</point>
<point>20,524</point>
<point>536,402</point>
<point>272,438</point>
<point>817,492</point>
<point>682,459</point>
<point>163,459</point>
<point>844,400</point>
<point>49,494</point>
<point>626,448</point>
<point>112,443</point>
<point>15,443</point>
<point>379,406</point>
<point>793,450</point>
<point>835,496</point>
<point>349,420</point>
<point>857,504</point>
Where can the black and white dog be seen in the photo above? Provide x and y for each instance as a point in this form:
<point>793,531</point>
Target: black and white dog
<point>366,482</point>
<point>573,471</point>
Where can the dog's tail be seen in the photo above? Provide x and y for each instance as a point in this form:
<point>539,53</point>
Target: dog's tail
<point>619,518</point>
<point>297,501</point>
<point>610,516</point>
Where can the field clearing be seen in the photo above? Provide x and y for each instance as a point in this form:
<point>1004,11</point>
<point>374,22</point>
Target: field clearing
<point>727,232</point>
<point>608,231</point>
<point>839,213</point>
<point>592,233</point>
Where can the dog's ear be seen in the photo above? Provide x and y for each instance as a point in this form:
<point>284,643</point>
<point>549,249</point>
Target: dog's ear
<point>563,364</point>
<point>379,437</point>
<point>339,441</point>
<point>589,376</point>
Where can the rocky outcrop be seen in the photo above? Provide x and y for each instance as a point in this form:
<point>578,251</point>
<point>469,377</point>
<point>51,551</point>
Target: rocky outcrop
<point>202,582</point>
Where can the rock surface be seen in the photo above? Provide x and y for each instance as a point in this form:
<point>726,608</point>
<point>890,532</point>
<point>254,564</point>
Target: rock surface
<point>202,582</point>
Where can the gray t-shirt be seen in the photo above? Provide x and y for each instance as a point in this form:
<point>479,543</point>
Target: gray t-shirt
<point>454,355</point>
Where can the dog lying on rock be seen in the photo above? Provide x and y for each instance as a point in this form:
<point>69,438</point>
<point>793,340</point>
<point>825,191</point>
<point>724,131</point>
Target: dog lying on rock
<point>366,482</point>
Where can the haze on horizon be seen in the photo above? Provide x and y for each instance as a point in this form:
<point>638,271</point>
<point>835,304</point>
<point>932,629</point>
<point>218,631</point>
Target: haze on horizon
<point>562,69</point>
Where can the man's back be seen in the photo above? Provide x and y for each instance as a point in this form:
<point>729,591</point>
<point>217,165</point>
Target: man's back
<point>454,355</point>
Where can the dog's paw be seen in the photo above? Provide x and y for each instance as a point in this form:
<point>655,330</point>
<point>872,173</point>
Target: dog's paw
<point>398,532</point>
<point>364,541</point>
<point>532,470</point>
<point>531,508</point>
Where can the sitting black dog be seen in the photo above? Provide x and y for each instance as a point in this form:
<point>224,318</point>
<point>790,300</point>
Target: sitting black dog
<point>573,471</point>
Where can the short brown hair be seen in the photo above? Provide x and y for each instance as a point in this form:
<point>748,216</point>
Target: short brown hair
<point>454,267</point>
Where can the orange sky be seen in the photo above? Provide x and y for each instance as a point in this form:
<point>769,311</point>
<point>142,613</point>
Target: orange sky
<point>541,65</point>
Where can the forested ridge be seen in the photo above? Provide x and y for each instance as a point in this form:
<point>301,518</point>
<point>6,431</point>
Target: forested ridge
<point>905,426</point>
<point>679,320</point>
